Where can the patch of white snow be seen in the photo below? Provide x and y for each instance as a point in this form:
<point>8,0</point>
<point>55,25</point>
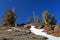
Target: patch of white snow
<point>40,32</point>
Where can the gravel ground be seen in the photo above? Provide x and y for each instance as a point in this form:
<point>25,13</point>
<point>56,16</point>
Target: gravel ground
<point>17,35</point>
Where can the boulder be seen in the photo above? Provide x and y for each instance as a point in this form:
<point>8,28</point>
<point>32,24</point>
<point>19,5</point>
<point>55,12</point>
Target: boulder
<point>27,26</point>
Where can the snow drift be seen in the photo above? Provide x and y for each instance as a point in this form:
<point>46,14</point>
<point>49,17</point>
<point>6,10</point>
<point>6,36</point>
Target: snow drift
<point>40,32</point>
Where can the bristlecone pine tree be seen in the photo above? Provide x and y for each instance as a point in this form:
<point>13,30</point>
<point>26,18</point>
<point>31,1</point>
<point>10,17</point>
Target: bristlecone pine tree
<point>36,21</point>
<point>29,20</point>
<point>53,21</point>
<point>46,17</point>
<point>9,19</point>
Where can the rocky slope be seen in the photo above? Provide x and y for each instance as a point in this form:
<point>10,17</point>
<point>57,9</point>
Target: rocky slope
<point>9,34</point>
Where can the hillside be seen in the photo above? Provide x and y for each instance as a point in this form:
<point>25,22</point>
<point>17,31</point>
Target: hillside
<point>8,34</point>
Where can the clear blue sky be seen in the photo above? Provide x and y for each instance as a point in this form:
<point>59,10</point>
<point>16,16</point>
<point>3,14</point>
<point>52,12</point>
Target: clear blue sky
<point>25,8</point>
